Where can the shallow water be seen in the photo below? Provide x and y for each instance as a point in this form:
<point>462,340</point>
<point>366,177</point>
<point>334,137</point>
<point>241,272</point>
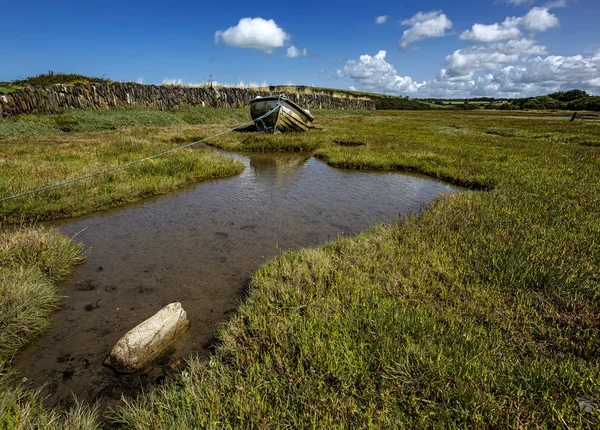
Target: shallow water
<point>198,246</point>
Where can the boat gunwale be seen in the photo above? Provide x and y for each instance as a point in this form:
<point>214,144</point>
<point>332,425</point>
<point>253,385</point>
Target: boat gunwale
<point>284,101</point>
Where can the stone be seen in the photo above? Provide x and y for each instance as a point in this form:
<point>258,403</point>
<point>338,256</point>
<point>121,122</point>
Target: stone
<point>148,340</point>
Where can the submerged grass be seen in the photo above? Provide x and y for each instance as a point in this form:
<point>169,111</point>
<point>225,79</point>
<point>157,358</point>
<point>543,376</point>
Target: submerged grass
<point>481,311</point>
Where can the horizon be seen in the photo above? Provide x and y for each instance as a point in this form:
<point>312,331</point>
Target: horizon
<point>500,48</point>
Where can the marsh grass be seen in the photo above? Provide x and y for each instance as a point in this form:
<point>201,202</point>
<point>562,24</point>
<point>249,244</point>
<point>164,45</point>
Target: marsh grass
<point>32,261</point>
<point>481,311</point>
<point>28,164</point>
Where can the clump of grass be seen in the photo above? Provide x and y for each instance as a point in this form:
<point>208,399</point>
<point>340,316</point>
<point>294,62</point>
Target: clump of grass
<point>23,410</point>
<point>27,298</point>
<point>32,260</point>
<point>50,253</point>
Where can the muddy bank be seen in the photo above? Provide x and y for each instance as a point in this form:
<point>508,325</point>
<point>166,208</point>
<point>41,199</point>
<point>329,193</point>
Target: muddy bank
<point>200,247</point>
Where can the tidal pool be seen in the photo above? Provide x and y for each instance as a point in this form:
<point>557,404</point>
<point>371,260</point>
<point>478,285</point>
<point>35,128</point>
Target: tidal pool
<point>198,246</point>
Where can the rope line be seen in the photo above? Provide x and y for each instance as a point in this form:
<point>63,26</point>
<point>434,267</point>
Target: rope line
<point>131,163</point>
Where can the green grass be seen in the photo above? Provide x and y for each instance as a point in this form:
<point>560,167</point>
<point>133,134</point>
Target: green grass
<point>32,261</point>
<point>35,153</point>
<point>481,311</point>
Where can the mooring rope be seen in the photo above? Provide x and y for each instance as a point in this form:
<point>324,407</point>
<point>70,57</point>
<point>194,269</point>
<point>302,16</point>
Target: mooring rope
<point>131,163</point>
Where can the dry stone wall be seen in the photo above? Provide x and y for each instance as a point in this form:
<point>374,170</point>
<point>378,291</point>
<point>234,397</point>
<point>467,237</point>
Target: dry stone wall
<point>56,99</point>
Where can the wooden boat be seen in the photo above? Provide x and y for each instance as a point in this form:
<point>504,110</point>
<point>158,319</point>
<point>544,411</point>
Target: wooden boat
<point>288,117</point>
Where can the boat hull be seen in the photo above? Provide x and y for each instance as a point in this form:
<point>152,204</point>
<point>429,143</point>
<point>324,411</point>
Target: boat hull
<point>285,116</point>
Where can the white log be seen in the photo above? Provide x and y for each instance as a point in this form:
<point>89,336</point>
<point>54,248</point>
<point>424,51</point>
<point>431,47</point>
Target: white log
<point>146,341</point>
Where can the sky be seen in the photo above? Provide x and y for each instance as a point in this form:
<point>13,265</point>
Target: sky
<point>427,48</point>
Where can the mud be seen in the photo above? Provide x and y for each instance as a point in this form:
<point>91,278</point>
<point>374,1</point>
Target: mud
<point>200,247</point>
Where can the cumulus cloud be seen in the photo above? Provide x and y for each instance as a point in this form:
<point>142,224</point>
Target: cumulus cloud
<point>555,70</point>
<point>490,57</point>
<point>493,32</point>
<point>502,60</point>
<point>537,20</point>
<point>293,52</point>
<point>424,25</point>
<point>374,73</point>
<point>256,33</point>
<point>518,68</point>
<point>381,19</point>
<point>528,76</point>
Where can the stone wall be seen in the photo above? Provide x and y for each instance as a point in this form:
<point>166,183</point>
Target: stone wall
<point>56,99</point>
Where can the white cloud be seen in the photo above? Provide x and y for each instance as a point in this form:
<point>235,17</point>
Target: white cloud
<point>374,73</point>
<point>352,88</point>
<point>493,32</point>
<point>490,57</point>
<point>293,52</point>
<point>518,68</point>
<point>381,19</point>
<point>539,19</point>
<point>423,26</point>
<point>528,76</point>
<point>256,33</point>
<point>555,70</point>
<point>503,60</point>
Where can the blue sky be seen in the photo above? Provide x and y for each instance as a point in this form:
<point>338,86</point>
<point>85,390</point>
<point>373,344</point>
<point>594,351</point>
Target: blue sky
<point>430,48</point>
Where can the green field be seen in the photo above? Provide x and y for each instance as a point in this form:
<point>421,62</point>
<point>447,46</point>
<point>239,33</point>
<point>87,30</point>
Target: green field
<point>482,311</point>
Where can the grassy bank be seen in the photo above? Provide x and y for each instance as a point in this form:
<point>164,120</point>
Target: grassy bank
<point>482,311</point>
<point>38,151</point>
<point>32,261</point>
